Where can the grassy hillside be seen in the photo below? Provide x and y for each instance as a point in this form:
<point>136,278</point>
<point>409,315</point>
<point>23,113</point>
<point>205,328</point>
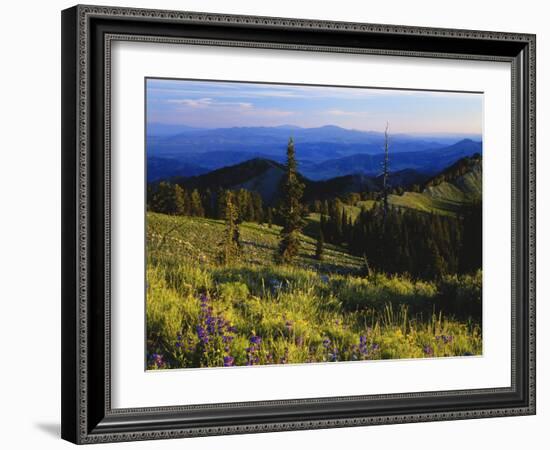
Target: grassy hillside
<point>445,197</point>
<point>195,239</point>
<point>200,313</point>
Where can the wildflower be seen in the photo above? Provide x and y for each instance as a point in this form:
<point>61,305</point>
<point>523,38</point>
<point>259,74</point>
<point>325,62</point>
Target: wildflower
<point>428,350</point>
<point>284,359</point>
<point>157,360</point>
<point>202,334</point>
<point>363,350</point>
<point>446,339</point>
<point>228,361</point>
<point>252,351</point>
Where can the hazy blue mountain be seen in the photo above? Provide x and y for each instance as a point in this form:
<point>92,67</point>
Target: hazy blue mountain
<point>323,152</point>
<point>166,129</point>
<point>427,162</point>
<point>164,168</point>
<point>264,176</point>
<point>315,143</point>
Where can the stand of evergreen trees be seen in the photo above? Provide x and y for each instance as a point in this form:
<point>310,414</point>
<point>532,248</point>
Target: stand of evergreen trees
<point>423,245</point>
<point>170,198</point>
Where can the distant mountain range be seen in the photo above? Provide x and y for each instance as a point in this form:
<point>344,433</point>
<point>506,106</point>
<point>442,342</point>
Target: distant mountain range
<point>445,193</point>
<point>322,153</point>
<point>264,176</point>
<point>428,162</point>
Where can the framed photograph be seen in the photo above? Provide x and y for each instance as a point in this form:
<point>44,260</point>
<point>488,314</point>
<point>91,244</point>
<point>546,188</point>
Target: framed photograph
<point>279,224</point>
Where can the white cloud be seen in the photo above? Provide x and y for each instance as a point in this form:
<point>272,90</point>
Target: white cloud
<point>342,113</point>
<point>208,103</point>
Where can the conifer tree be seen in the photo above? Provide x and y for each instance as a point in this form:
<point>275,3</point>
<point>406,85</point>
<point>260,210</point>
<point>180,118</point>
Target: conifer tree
<point>291,210</point>
<point>209,203</point>
<point>320,248</point>
<point>250,209</point>
<point>221,201</point>
<point>258,207</point>
<point>188,203</point>
<point>269,217</point>
<point>164,200</point>
<point>229,247</point>
<point>196,204</point>
<point>179,200</point>
<point>365,267</point>
<point>325,209</point>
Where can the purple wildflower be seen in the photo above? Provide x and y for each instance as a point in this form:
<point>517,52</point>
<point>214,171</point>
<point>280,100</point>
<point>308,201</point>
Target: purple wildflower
<point>211,330</point>
<point>284,359</point>
<point>256,340</point>
<point>157,360</point>
<point>363,349</point>
<point>333,354</point>
<point>228,361</point>
<point>252,352</point>
<point>202,333</point>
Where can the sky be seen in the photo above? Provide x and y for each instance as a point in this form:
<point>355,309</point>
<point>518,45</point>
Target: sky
<point>215,104</point>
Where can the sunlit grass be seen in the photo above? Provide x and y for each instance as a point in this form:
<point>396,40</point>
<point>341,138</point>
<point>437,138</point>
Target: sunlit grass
<point>312,311</point>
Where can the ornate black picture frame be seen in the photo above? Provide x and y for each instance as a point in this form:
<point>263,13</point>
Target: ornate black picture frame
<point>87,34</point>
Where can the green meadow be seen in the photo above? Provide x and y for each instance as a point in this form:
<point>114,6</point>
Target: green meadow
<point>202,313</point>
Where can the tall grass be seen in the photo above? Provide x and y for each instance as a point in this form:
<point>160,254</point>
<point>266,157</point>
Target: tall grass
<point>201,314</point>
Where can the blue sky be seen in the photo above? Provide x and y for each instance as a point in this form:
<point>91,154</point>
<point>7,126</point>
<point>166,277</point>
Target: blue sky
<point>211,104</point>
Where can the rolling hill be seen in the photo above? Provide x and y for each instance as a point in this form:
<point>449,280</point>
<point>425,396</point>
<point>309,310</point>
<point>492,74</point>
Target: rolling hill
<point>446,193</point>
<point>429,162</point>
<point>264,176</point>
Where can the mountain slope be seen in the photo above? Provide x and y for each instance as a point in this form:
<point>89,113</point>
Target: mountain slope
<point>258,174</point>
<point>446,193</point>
<point>428,162</point>
<point>264,176</point>
<point>163,168</point>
